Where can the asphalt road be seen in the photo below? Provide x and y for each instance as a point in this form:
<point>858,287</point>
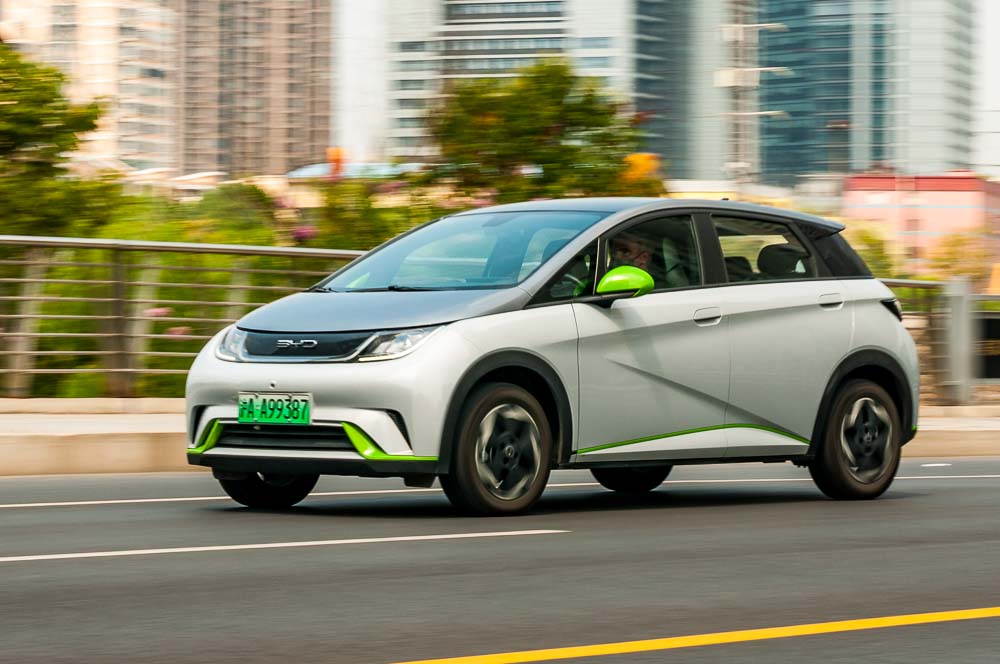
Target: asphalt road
<point>709,552</point>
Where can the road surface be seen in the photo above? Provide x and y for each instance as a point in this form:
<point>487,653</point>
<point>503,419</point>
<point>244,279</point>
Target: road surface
<point>161,568</point>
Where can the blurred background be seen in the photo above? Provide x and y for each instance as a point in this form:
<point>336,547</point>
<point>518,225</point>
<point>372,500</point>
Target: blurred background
<point>306,131</point>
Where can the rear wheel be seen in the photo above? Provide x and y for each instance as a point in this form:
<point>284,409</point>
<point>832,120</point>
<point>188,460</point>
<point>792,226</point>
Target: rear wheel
<point>501,458</point>
<point>269,491</point>
<point>860,447</point>
<point>639,479</point>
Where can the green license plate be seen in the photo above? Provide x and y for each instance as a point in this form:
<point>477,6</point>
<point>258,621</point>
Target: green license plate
<point>274,408</point>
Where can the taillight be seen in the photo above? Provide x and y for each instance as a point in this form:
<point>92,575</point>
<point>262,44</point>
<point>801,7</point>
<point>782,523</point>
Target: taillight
<point>892,304</point>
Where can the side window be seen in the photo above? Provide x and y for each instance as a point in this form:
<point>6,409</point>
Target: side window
<point>666,248</point>
<point>762,251</point>
<point>576,279</point>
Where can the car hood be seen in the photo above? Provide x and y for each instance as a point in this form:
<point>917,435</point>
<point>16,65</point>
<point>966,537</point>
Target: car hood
<point>378,310</point>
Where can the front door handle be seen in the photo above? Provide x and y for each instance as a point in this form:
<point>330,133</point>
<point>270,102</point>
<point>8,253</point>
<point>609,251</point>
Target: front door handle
<point>831,300</point>
<point>707,316</point>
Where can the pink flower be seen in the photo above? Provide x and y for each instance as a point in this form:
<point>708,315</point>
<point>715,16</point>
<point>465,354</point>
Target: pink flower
<point>179,331</point>
<point>158,312</point>
<point>304,233</point>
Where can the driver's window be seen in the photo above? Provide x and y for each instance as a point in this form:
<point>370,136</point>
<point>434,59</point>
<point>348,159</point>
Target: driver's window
<point>666,248</point>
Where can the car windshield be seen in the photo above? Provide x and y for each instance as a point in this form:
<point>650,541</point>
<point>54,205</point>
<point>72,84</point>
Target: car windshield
<point>479,250</point>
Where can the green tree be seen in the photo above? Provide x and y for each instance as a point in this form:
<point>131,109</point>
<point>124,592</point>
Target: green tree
<point>963,255</point>
<point>546,132</point>
<point>39,126</point>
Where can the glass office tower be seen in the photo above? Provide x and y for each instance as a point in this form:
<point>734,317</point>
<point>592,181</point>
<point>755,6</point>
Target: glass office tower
<point>872,83</point>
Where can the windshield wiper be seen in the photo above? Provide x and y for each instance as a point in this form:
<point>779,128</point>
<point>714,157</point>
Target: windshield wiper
<point>394,287</point>
<point>400,287</point>
<point>322,289</point>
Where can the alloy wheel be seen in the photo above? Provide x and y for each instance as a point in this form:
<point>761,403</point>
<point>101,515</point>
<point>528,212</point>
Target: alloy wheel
<point>864,440</point>
<point>508,452</point>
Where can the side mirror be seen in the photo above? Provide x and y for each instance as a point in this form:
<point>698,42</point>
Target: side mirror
<point>626,281</point>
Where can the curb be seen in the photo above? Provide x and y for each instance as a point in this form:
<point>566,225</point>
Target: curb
<point>143,406</point>
<point>72,454</point>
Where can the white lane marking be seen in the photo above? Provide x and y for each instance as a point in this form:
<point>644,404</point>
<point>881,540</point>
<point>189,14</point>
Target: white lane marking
<point>274,545</point>
<point>935,465</point>
<point>377,492</point>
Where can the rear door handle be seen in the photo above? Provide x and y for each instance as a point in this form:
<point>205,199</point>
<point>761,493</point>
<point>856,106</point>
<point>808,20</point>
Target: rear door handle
<point>707,316</point>
<point>831,300</point>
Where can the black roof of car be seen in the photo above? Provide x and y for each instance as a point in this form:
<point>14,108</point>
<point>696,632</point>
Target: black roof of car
<point>618,204</point>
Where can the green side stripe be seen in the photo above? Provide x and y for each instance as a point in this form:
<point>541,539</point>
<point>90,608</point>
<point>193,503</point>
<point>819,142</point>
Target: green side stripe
<point>607,446</point>
<point>367,448</point>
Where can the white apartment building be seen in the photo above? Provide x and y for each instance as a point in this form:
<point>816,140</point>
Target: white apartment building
<point>393,59</point>
<point>121,53</point>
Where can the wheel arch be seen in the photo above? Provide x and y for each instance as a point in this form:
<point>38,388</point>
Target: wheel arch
<point>883,370</point>
<point>527,370</point>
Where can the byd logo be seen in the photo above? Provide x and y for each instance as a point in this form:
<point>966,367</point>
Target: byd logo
<point>302,343</point>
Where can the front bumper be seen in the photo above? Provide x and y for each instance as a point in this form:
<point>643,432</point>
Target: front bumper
<point>393,410</point>
<point>336,447</point>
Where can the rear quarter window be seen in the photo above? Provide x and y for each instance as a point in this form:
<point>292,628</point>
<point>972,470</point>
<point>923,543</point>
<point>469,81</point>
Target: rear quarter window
<point>840,258</point>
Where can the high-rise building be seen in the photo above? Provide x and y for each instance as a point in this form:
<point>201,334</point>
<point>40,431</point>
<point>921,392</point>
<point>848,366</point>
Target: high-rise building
<point>986,139</point>
<point>121,53</point>
<point>254,88</point>
<point>394,60</point>
<point>871,83</point>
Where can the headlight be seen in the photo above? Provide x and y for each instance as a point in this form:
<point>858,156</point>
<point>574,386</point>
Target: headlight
<point>389,345</point>
<point>230,348</point>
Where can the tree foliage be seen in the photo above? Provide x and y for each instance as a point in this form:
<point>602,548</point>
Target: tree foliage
<point>38,127</point>
<point>546,132</point>
<point>962,255</point>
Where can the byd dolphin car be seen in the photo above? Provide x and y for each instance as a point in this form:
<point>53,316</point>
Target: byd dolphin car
<point>622,335</point>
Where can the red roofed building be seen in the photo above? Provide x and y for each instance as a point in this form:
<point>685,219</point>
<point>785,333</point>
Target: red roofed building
<point>921,210</point>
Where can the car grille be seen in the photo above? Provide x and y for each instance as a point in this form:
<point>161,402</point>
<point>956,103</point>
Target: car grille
<point>327,345</point>
<point>282,436</point>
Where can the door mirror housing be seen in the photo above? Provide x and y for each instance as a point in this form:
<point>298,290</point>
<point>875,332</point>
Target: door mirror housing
<point>627,281</point>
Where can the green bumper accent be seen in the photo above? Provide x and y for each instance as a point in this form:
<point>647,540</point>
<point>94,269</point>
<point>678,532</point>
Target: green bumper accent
<point>687,431</point>
<point>364,445</point>
<point>208,438</point>
<point>367,448</point>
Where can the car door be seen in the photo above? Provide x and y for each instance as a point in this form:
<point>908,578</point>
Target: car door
<point>654,369</point>
<point>789,327</point>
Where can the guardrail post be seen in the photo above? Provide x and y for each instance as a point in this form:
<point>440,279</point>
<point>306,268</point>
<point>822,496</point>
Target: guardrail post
<point>139,324</point>
<point>959,342</point>
<point>22,361</point>
<point>119,363</point>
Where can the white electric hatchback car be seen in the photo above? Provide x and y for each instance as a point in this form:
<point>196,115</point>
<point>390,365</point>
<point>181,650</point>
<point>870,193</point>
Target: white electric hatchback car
<point>623,335</point>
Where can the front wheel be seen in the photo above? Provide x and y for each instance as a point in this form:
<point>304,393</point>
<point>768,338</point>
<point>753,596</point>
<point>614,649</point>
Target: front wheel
<point>860,448</point>
<point>265,491</point>
<point>639,479</point>
<point>501,458</point>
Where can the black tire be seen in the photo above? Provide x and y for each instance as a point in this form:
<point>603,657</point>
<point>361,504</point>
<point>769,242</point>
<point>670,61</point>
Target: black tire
<point>860,449</point>
<point>639,479</point>
<point>516,450</point>
<point>269,491</point>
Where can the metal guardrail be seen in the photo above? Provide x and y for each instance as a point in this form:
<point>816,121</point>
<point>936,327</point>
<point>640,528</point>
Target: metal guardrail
<point>124,317</point>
